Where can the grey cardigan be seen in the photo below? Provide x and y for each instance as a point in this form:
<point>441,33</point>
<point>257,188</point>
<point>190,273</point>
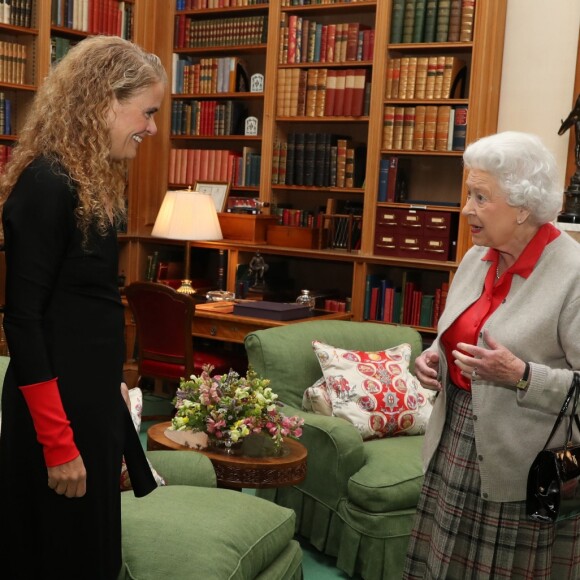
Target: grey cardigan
<point>539,321</point>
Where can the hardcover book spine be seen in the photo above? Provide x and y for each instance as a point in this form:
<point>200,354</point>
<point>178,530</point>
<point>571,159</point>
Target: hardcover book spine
<point>408,20</point>
<point>454,21</point>
<point>397,16</point>
<point>388,126</point>
<point>442,128</point>
<point>443,13</point>
<point>419,23</point>
<point>460,129</point>
<point>467,18</point>
<point>430,21</point>
<point>419,133</point>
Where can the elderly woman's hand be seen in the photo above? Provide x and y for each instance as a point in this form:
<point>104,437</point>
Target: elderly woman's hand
<point>495,363</point>
<point>427,370</point>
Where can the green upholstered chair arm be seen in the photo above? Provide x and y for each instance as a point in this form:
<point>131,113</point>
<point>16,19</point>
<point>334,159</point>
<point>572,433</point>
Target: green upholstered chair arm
<point>183,468</point>
<point>335,454</point>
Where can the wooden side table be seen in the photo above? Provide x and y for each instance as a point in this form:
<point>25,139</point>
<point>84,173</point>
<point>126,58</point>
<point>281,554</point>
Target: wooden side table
<point>239,471</point>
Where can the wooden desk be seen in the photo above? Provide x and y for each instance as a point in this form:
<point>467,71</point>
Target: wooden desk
<point>241,471</point>
<point>219,323</point>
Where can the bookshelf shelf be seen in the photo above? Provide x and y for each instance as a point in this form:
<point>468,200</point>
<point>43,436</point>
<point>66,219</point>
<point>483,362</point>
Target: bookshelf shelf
<point>322,64</point>
<point>218,96</point>
<point>234,49</point>
<point>255,138</point>
<point>68,32</point>
<point>302,119</point>
<point>18,30</point>
<point>259,8</point>
<point>412,152</point>
<point>336,8</point>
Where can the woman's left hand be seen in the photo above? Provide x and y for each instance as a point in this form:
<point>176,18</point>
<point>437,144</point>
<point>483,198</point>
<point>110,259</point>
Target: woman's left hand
<point>495,363</point>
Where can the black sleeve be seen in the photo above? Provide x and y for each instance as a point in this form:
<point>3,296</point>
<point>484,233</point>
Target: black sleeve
<point>38,220</point>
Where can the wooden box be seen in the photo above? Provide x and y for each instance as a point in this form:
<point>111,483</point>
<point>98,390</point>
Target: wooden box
<point>245,227</point>
<point>292,236</point>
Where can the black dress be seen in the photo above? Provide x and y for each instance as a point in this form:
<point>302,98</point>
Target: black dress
<point>63,318</point>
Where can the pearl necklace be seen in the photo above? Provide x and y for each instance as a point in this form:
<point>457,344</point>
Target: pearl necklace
<point>497,272</point>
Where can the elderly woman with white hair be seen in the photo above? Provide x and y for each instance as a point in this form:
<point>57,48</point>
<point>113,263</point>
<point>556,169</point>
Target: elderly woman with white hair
<point>507,346</point>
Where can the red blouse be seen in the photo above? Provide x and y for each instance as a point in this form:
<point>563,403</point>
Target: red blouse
<point>467,326</point>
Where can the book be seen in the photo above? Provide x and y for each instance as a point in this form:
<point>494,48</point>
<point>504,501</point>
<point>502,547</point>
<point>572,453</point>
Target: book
<point>467,18</point>
<point>419,20</point>
<point>398,127</point>
<point>392,178</point>
<point>358,92</point>
<point>408,128</point>
<point>397,16</point>
<point>396,78</point>
<point>383,179</point>
<point>388,126</point>
<point>421,77</point>
<point>319,102</point>
<point>439,71</point>
<point>450,126</point>
<point>330,93</point>
<point>348,92</point>
<point>442,127</point>
<point>451,69</point>
<point>372,281</point>
<point>431,74</point>
<point>408,20</point>
<point>311,88</point>
<point>403,78</point>
<point>430,128</point>
<point>419,132</point>
<point>459,128</point>
<point>442,26</point>
<point>339,95</point>
<point>299,152</point>
<point>454,21</point>
<point>290,156</point>
<point>430,21</point>
<point>411,77</point>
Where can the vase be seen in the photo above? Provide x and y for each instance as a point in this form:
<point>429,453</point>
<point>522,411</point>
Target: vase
<point>225,445</point>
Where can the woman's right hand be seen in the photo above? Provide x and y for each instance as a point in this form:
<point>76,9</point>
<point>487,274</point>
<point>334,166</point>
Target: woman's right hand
<point>427,370</point>
<point>69,479</point>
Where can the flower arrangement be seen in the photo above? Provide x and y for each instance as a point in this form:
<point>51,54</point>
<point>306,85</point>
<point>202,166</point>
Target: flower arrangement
<point>229,407</point>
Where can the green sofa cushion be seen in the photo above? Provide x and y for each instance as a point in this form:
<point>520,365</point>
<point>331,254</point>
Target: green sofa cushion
<point>392,476</point>
<point>185,532</point>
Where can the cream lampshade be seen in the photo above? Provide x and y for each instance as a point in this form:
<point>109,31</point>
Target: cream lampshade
<point>187,215</point>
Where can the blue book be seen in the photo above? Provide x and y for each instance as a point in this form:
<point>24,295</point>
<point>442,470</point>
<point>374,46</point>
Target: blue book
<point>317,37</point>
<point>383,179</point>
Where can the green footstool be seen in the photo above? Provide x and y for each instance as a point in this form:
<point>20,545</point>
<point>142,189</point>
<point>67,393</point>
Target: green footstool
<point>186,532</point>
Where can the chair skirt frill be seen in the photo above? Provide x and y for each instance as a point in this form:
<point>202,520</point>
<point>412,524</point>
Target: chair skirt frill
<point>366,545</point>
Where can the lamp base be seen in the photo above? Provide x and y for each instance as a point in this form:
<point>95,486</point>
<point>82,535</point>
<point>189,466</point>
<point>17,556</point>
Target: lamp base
<point>186,287</point>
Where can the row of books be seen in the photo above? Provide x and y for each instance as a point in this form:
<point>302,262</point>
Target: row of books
<point>299,218</point>
<point>208,75</point>
<point>432,21</point>
<point>5,153</point>
<point>16,12</point>
<point>425,128</point>
<point>205,4</point>
<point>191,32</point>
<point>59,46</point>
<point>426,77</point>
<point>317,2</point>
<point>186,166</point>
<point>13,58</point>
<point>319,160</point>
<point>405,303</point>
<point>303,40</point>
<point>322,92</point>
<point>392,180</point>
<point>207,117</point>
<point>111,17</point>
<point>5,115</point>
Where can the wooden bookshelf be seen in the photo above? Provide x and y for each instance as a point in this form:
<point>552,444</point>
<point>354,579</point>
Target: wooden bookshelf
<point>437,175</point>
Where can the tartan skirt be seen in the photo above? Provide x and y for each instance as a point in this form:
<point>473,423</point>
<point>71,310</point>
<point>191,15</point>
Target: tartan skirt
<point>457,535</point>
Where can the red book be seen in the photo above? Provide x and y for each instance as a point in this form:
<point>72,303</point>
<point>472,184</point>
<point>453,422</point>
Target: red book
<point>348,92</point>
<point>292,23</point>
<point>374,303</point>
<point>340,90</point>
<point>190,166</point>
<point>330,42</point>
<point>323,43</point>
<point>358,93</point>
<point>203,164</point>
<point>330,93</point>
<point>388,309</point>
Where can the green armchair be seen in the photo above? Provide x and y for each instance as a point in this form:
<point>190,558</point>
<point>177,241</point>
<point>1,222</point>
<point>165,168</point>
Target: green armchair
<point>359,497</point>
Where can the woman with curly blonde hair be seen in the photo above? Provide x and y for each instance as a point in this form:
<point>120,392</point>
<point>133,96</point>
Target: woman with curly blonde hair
<point>65,425</point>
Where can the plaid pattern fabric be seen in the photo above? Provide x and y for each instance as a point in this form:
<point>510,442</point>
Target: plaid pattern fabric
<point>459,536</point>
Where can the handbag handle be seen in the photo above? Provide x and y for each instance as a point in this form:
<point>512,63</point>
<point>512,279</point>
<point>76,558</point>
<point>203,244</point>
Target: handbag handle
<point>573,392</point>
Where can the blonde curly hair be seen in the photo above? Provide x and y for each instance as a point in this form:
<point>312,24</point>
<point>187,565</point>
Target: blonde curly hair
<point>67,124</point>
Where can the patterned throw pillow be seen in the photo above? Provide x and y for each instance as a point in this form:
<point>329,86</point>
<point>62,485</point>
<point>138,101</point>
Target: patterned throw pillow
<point>136,397</point>
<point>316,399</point>
<point>375,391</point>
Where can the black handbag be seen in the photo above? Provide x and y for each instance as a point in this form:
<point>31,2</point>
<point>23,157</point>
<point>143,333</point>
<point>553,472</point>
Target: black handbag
<point>553,492</point>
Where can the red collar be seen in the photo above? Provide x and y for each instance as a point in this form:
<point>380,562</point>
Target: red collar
<point>525,263</point>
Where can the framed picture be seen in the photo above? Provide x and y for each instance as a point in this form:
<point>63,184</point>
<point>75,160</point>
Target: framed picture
<point>217,189</point>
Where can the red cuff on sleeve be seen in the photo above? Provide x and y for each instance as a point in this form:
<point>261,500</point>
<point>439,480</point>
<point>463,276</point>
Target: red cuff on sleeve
<point>53,429</point>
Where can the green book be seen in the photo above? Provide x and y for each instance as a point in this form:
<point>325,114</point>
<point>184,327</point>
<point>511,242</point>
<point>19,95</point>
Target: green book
<point>426,316</point>
<point>419,23</point>
<point>408,20</point>
<point>443,14</point>
<point>398,10</point>
<point>430,21</point>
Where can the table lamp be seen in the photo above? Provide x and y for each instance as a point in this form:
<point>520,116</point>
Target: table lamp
<point>187,215</point>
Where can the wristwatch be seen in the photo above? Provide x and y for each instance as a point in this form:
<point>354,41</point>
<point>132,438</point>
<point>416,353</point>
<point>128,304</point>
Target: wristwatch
<point>523,382</point>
